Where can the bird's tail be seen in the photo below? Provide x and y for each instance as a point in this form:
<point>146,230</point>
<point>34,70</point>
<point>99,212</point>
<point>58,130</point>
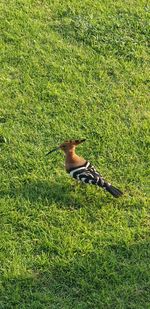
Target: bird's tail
<point>112,190</point>
<point>108,187</point>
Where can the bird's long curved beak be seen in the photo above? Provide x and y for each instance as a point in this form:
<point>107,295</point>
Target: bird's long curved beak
<point>55,149</point>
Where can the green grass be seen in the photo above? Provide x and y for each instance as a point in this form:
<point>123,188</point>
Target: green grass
<point>74,69</point>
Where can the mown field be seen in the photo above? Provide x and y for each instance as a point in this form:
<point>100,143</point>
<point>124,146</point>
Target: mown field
<point>74,69</point>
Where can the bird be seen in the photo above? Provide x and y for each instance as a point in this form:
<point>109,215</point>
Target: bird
<point>81,169</point>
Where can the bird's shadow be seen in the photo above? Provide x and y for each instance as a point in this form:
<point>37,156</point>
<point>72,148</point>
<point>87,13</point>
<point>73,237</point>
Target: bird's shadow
<point>65,195</point>
<point>48,192</point>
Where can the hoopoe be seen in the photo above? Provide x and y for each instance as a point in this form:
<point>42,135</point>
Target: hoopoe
<point>81,169</point>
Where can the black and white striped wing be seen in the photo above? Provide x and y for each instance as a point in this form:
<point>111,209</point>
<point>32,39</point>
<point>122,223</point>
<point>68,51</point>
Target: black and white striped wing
<point>86,174</point>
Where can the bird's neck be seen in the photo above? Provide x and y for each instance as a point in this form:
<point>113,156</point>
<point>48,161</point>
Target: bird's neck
<point>72,159</point>
<point>71,156</point>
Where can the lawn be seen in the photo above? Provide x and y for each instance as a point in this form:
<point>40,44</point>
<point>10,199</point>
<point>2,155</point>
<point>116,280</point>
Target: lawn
<point>74,69</point>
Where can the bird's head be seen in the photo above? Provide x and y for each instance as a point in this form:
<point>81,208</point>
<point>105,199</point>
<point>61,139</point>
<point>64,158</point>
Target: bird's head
<point>67,145</point>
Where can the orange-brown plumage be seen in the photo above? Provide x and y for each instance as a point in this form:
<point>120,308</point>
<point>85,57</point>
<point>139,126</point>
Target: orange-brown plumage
<point>71,158</point>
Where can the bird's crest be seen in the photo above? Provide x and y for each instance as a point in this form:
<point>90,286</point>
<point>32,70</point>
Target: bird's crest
<point>73,142</point>
<point>67,144</point>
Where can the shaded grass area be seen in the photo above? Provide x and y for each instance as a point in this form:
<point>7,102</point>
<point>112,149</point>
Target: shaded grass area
<point>71,70</point>
<point>118,272</point>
